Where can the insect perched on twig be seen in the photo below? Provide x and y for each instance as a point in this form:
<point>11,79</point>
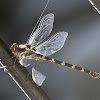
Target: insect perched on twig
<point>35,48</point>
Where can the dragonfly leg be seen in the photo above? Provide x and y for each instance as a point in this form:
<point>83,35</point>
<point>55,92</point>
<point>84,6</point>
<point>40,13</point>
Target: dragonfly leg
<point>14,62</point>
<point>6,58</point>
<point>4,67</point>
<point>1,59</point>
<point>28,73</point>
<point>28,76</point>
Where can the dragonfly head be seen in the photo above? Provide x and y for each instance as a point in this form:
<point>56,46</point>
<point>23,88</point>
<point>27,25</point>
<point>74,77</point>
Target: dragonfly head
<point>13,47</point>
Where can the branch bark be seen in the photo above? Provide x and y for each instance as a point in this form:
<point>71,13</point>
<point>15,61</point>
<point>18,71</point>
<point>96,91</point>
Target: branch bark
<point>96,4</point>
<point>19,74</point>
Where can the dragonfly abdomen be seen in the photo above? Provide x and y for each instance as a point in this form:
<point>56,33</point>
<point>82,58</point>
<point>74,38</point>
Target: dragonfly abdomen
<point>42,57</point>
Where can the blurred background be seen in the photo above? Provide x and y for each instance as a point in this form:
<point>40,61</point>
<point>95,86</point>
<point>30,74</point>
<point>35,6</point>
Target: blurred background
<point>82,47</point>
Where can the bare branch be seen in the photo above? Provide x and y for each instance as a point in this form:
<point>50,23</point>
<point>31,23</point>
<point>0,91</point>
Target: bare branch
<point>96,4</point>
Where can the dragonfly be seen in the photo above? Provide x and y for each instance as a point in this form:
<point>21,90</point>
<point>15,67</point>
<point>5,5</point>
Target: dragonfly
<point>36,48</point>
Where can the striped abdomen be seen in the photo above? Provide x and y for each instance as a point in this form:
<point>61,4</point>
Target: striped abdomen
<point>93,74</point>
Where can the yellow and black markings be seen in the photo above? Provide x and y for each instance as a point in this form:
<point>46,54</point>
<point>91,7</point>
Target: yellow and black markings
<point>63,63</point>
<point>22,53</point>
<point>73,66</point>
<point>93,74</point>
<point>82,70</point>
<point>52,60</point>
<point>42,57</point>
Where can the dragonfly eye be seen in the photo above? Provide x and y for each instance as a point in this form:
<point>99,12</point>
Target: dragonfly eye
<point>12,48</point>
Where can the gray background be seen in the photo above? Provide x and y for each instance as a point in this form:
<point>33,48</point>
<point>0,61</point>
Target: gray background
<point>82,47</point>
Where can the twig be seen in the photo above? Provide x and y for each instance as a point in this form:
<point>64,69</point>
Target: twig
<point>96,4</point>
<point>19,74</point>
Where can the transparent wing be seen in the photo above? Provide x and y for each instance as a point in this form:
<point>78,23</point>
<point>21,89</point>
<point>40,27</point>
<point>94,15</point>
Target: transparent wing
<point>37,77</point>
<point>43,30</point>
<point>53,44</point>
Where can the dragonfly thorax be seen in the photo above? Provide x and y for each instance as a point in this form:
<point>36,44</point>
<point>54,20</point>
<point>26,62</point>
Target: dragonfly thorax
<point>26,47</point>
<point>18,49</point>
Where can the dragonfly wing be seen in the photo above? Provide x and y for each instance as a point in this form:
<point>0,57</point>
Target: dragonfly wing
<point>25,61</point>
<point>38,78</point>
<point>53,44</point>
<point>43,30</point>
